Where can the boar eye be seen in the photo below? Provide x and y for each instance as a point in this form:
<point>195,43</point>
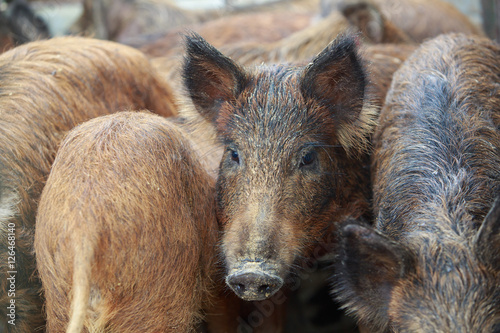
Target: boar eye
<point>235,156</point>
<point>307,159</point>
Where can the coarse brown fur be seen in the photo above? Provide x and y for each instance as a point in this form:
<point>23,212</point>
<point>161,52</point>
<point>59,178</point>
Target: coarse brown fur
<point>47,88</point>
<point>296,141</point>
<point>382,60</point>
<point>431,262</point>
<point>126,241</point>
<point>418,19</point>
<point>299,46</point>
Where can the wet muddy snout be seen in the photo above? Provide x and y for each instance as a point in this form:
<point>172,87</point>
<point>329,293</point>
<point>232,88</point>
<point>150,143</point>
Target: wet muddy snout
<point>253,283</point>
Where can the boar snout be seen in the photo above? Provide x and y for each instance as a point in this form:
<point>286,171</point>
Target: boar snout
<point>254,284</point>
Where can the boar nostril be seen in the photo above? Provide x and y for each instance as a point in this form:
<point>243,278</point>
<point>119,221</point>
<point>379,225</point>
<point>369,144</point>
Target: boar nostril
<point>265,289</point>
<point>254,285</point>
<point>240,288</point>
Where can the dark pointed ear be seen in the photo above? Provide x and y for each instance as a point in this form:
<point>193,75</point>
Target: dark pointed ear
<point>368,267</point>
<point>487,242</point>
<point>336,79</point>
<point>210,77</point>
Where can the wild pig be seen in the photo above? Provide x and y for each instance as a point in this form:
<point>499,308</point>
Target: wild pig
<point>431,261</point>
<point>48,87</point>
<point>125,242</point>
<point>295,154</point>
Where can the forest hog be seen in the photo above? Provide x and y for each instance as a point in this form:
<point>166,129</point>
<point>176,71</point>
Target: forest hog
<point>47,88</point>
<point>431,262</point>
<point>295,154</point>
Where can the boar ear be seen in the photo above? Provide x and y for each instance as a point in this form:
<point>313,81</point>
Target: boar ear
<point>487,242</point>
<point>366,17</point>
<point>372,24</point>
<point>368,267</point>
<point>336,80</point>
<point>210,77</point>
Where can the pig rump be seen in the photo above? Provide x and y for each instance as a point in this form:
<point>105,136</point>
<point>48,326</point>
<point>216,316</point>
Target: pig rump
<point>125,229</point>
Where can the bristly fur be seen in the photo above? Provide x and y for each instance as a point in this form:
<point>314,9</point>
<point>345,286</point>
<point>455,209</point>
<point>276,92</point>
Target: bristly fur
<point>47,88</point>
<point>291,168</point>
<point>126,242</point>
<point>356,128</point>
<point>436,183</point>
<point>204,57</point>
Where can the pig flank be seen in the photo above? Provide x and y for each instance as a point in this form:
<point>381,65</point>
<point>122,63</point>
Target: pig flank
<point>296,140</point>
<point>431,262</point>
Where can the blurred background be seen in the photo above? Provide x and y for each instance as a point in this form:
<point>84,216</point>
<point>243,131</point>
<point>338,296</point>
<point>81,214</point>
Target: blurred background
<point>59,15</point>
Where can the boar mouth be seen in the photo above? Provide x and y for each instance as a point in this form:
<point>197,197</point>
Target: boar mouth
<point>253,282</point>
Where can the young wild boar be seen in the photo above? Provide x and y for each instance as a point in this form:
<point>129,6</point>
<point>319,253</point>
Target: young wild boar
<point>431,261</point>
<point>47,88</point>
<point>294,162</point>
<point>126,228</point>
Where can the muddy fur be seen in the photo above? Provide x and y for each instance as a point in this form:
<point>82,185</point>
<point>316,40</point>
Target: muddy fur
<point>289,132</point>
<point>430,263</point>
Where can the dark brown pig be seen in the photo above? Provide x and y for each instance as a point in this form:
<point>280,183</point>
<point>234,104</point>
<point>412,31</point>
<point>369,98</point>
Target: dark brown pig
<point>431,261</point>
<point>295,150</point>
<point>47,88</point>
<point>126,229</point>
